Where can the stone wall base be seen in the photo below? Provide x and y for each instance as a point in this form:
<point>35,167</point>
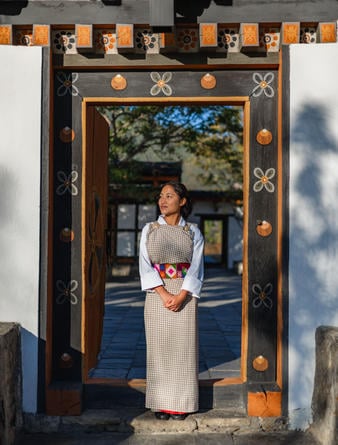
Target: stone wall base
<point>10,383</point>
<point>325,392</point>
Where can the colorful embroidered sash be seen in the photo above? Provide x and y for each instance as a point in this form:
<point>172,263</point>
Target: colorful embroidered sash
<point>172,270</point>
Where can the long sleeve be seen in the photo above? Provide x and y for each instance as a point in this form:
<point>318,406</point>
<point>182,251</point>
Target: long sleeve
<point>193,281</point>
<point>148,275</point>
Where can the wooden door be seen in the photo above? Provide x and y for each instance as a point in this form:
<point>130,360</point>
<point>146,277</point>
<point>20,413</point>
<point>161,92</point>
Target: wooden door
<point>95,221</point>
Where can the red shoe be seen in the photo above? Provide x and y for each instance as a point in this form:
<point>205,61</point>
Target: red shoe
<point>176,415</point>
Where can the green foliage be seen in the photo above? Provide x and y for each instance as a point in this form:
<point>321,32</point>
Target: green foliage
<point>210,136</point>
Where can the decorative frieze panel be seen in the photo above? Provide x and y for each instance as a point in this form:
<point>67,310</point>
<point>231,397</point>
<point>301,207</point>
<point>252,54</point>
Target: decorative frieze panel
<point>64,42</point>
<point>211,37</point>
<point>228,39</point>
<point>105,41</point>
<point>290,33</point>
<point>6,36</point>
<point>308,34</point>
<point>84,36</point>
<point>249,35</point>
<point>187,40</point>
<point>146,41</point>
<point>125,36</point>
<point>23,37</point>
<point>269,39</point>
<point>208,35</point>
<point>41,35</point>
<point>327,32</point>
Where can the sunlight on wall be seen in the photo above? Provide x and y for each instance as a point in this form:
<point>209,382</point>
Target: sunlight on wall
<point>313,214</point>
<point>20,147</point>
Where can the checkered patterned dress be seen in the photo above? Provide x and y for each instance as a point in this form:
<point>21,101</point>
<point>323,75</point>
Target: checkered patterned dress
<point>172,337</point>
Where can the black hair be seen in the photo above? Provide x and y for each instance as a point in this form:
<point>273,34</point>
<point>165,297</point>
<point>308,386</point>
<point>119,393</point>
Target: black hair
<point>182,192</point>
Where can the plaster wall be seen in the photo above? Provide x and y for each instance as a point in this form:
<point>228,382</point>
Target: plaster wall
<point>313,277</point>
<point>131,11</point>
<point>20,117</point>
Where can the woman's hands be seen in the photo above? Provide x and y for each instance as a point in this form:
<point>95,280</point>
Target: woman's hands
<point>173,302</point>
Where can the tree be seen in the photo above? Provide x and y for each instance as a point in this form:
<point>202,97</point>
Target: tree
<point>219,150</point>
<point>210,135</point>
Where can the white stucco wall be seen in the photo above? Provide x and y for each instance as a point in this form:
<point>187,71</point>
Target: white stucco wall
<point>20,117</point>
<point>313,267</point>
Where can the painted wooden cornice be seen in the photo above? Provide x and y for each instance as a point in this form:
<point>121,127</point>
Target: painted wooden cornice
<point>141,39</point>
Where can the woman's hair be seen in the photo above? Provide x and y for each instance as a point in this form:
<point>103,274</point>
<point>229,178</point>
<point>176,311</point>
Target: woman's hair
<point>182,192</point>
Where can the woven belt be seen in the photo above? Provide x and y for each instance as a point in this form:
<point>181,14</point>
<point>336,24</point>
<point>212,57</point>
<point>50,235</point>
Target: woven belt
<point>172,270</point>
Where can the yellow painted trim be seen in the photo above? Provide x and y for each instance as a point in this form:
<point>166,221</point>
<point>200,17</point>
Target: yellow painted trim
<point>83,234</point>
<point>140,383</point>
<point>233,100</point>
<point>279,343</point>
<point>245,293</point>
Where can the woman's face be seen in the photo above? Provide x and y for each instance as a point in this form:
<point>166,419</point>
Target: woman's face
<point>169,201</point>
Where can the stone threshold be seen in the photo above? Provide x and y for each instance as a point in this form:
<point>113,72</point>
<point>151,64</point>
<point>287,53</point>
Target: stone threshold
<point>138,421</point>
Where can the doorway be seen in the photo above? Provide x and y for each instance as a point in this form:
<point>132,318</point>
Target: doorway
<point>182,138</point>
<point>73,206</point>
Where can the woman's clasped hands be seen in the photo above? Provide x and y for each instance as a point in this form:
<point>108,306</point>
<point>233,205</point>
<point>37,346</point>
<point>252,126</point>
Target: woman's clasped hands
<point>174,303</point>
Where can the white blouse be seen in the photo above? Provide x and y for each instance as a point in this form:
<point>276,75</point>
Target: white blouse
<point>193,280</point>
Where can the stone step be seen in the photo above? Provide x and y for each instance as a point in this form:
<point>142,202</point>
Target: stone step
<point>139,421</point>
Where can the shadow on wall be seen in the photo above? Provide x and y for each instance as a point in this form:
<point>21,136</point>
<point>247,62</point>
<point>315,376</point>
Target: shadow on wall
<point>313,240</point>
<point>7,217</point>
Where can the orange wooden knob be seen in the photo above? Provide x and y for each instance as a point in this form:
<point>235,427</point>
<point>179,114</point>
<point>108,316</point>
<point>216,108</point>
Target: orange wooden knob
<point>67,235</point>
<point>260,363</point>
<point>264,137</point>
<point>263,228</point>
<point>119,82</point>
<point>67,134</point>
<point>208,81</point>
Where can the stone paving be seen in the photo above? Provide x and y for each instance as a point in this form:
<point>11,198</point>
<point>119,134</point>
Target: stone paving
<point>139,427</point>
<point>281,438</point>
<point>123,348</point>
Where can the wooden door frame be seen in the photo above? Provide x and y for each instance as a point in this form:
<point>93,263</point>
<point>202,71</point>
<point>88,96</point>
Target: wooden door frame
<point>64,369</point>
<point>235,101</point>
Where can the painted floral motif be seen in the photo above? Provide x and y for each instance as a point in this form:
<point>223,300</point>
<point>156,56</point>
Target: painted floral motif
<point>187,40</point>
<point>66,292</point>
<point>161,83</point>
<point>67,183</point>
<point>96,241</point>
<point>270,39</point>
<point>262,296</point>
<point>227,39</point>
<point>105,41</point>
<point>67,86</point>
<point>24,37</point>
<point>145,40</point>
<point>263,84</point>
<point>64,42</point>
<point>308,35</point>
<point>264,180</point>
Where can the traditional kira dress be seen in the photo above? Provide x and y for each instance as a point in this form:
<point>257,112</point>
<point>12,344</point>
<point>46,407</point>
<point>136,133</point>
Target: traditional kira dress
<point>172,337</point>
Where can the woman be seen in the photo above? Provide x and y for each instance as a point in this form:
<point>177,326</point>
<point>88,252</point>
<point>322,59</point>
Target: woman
<point>171,271</point>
